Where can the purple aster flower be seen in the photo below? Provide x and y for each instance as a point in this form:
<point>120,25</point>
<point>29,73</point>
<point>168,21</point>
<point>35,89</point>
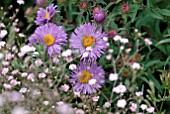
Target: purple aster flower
<point>87,78</point>
<point>51,36</point>
<point>88,39</point>
<point>45,15</point>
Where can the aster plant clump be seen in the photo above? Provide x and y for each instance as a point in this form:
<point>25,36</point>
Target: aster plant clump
<point>84,57</point>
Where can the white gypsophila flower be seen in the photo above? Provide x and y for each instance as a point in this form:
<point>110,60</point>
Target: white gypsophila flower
<point>2,44</point>
<point>23,90</point>
<point>69,52</point>
<point>148,41</point>
<point>18,110</point>
<point>136,66</point>
<point>95,98</point>
<point>89,48</point>
<point>92,81</point>
<point>85,54</point>
<point>72,67</point>
<point>105,39</point>
<point>140,93</point>
<point>1,56</point>
<point>133,107</point>
<point>41,75</point>
<point>107,104</point>
<point>113,77</point>
<point>117,38</point>
<point>64,88</point>
<point>107,44</point>
<point>20,2</point>
<point>64,108</point>
<point>38,62</point>
<point>46,102</point>
<point>109,57</point>
<point>119,89</point>
<point>143,106</point>
<point>121,103</point>
<point>128,50</point>
<point>79,111</point>
<point>122,47</point>
<point>21,35</point>
<point>110,50</point>
<point>150,109</point>
<point>24,74</point>
<point>124,40</point>
<point>3,33</point>
<point>27,48</point>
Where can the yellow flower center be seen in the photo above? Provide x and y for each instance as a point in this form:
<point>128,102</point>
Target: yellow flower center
<point>85,77</point>
<point>49,39</point>
<point>88,41</point>
<point>47,15</point>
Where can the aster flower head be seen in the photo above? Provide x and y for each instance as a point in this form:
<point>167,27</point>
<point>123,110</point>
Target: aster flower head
<point>45,15</point>
<point>51,36</point>
<point>88,39</point>
<point>85,72</point>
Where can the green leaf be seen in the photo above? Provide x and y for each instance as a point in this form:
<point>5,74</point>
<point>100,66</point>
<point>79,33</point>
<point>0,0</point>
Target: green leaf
<point>164,12</point>
<point>163,41</point>
<point>154,14</point>
<point>108,6</point>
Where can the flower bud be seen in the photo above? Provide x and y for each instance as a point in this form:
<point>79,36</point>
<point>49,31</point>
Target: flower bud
<point>83,5</point>
<point>99,16</point>
<point>112,33</point>
<point>125,8</point>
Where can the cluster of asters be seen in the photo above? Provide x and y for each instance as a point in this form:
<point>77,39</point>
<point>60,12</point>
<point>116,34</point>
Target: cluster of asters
<point>86,39</point>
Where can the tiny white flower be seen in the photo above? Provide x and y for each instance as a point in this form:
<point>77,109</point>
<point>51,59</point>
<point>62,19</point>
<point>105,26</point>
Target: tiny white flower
<point>122,47</point>
<point>143,106</point>
<point>21,35</point>
<point>113,77</point>
<point>107,44</point>
<point>23,90</point>
<point>119,89</point>
<point>1,56</point>
<point>139,34</point>
<point>136,66</point>
<point>2,25</point>
<point>2,44</point>
<point>109,57</point>
<point>18,110</point>
<point>46,102</point>
<point>117,38</point>
<point>68,52</point>
<point>27,48</point>
<point>139,93</point>
<point>92,81</point>
<point>89,48</point>
<point>72,67</point>
<point>133,107</point>
<point>124,40</point>
<point>3,33</point>
<point>150,109</point>
<point>107,104</point>
<point>148,41</point>
<point>38,62</point>
<point>95,98</point>
<point>85,54</point>
<point>121,103</point>
<point>41,75</point>
<point>20,2</point>
<point>128,50</point>
<point>24,74</point>
<point>136,30</point>
<point>105,39</point>
<point>64,88</point>
<point>110,50</point>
